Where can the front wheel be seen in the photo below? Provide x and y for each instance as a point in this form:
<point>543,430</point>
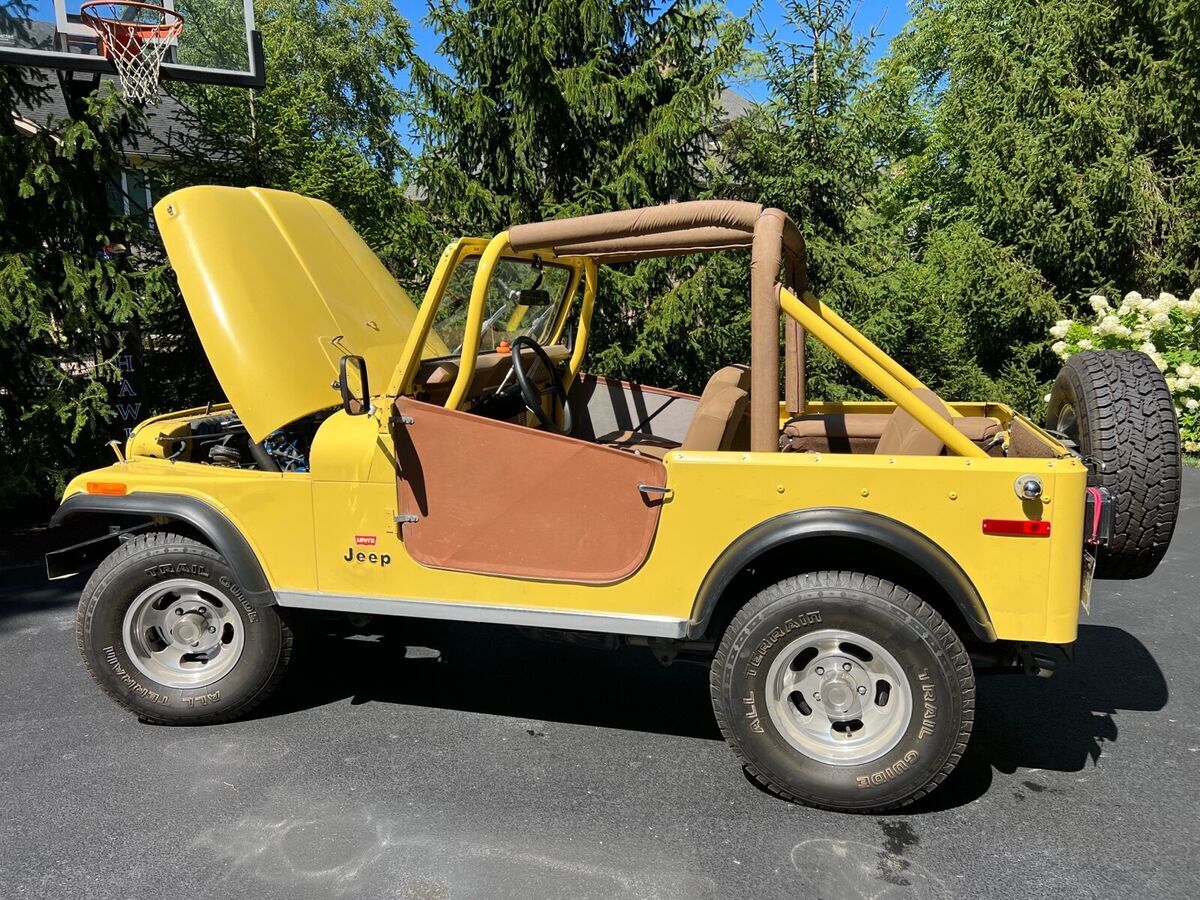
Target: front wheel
<point>843,691</point>
<point>166,631</point>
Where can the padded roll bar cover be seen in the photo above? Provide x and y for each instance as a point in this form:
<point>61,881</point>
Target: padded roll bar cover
<point>613,229</point>
<point>853,524</point>
<point>224,536</point>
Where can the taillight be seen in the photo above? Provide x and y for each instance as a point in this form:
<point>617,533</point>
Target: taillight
<point>1017,527</point>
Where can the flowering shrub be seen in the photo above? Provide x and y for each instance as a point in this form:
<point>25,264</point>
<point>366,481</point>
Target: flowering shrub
<point>1164,327</point>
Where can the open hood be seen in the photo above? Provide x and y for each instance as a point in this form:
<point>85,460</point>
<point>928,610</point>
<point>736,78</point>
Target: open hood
<point>280,287</point>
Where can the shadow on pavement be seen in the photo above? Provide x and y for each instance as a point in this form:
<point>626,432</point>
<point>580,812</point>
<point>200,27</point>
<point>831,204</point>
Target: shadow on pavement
<point>1059,724</point>
<point>499,670</point>
<point>27,591</point>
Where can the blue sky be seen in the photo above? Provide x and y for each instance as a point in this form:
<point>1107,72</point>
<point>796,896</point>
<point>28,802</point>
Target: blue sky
<point>886,16</point>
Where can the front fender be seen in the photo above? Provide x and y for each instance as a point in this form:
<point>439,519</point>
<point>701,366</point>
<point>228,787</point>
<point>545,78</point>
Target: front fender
<point>210,522</point>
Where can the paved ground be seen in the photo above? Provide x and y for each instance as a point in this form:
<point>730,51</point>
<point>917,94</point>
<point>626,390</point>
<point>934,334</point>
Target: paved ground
<point>470,761</point>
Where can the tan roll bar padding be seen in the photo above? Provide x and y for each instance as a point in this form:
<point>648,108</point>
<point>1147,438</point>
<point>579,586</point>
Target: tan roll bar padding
<point>702,226</point>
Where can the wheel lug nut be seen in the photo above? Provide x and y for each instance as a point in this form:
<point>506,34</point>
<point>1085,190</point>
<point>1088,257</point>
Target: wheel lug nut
<point>820,670</point>
<point>212,629</point>
<point>195,643</point>
<point>202,611</point>
<point>862,689</point>
<point>816,695</point>
<point>846,667</point>
<point>178,611</point>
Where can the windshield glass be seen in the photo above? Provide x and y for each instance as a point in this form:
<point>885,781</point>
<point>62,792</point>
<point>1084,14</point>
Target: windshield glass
<point>515,305</point>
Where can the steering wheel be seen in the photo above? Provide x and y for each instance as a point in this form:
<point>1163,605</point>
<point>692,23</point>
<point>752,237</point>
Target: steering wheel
<point>531,393</point>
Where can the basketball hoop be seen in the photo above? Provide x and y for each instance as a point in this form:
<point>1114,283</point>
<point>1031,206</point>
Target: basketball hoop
<point>136,38</point>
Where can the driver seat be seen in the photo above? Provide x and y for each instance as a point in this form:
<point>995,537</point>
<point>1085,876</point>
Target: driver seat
<point>715,424</point>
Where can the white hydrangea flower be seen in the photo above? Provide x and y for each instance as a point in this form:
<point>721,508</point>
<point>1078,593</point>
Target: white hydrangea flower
<point>1046,399</point>
<point>1060,328</point>
<point>1059,348</point>
<point>1148,347</point>
<point>1185,370</point>
<point>1172,384</point>
<point>1191,446</point>
<point>1160,320</point>
<point>1085,344</point>
<point>1098,303</point>
<point>1163,305</point>
<point>1133,300</point>
<point>1192,404</point>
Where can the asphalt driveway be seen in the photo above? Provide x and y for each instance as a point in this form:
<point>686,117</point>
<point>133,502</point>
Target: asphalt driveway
<point>468,761</point>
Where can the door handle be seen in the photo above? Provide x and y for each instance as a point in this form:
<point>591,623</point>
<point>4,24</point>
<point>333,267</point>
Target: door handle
<point>649,489</point>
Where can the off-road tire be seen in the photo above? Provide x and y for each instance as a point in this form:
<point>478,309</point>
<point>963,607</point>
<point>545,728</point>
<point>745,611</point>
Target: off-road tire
<point>1127,430</point>
<point>930,654</point>
<point>136,566</point>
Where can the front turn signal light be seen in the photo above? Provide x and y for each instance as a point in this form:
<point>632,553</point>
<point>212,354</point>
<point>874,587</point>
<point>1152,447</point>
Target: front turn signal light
<point>108,488</point>
<point>1017,527</point>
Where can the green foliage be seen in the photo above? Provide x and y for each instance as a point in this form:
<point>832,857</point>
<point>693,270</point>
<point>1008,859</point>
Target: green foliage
<point>62,307</point>
<point>567,107</point>
<point>1069,132</point>
<point>1164,327</point>
<point>327,124</point>
<point>841,152</point>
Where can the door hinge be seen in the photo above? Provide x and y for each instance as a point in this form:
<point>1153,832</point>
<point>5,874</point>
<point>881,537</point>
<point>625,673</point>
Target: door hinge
<point>406,520</point>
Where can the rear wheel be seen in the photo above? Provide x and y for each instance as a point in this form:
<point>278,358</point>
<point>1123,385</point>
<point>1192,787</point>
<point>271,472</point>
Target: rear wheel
<point>166,631</point>
<point>843,691</point>
<point>1116,407</point>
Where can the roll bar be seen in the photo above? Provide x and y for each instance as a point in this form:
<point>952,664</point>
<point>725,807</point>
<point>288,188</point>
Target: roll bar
<point>705,226</point>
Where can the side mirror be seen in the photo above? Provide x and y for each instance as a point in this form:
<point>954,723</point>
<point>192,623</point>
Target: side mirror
<point>352,382</point>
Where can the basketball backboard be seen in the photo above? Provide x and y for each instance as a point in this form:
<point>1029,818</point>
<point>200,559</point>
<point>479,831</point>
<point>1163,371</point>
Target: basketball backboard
<point>218,45</point>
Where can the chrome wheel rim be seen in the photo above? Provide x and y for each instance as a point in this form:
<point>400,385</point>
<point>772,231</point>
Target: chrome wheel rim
<point>838,697</point>
<point>183,634</point>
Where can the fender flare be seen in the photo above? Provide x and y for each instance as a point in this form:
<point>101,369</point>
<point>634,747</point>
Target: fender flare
<point>849,523</point>
<point>224,536</point>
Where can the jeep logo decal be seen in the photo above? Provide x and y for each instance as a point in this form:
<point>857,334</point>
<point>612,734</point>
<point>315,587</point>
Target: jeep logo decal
<point>376,559</point>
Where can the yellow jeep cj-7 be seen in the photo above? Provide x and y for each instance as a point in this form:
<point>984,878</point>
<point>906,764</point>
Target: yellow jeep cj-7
<point>844,569</point>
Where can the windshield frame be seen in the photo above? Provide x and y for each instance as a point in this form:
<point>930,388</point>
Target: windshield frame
<point>463,250</point>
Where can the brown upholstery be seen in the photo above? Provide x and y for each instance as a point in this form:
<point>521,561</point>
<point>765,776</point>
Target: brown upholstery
<point>860,432</point>
<point>655,230</point>
<point>717,424</point>
<point>905,436</point>
<point>717,418</point>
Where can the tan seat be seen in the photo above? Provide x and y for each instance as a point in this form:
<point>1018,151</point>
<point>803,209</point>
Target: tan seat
<point>715,425</point>
<point>905,436</point>
<point>861,432</point>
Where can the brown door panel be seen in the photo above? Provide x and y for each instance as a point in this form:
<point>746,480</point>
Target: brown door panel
<point>499,499</point>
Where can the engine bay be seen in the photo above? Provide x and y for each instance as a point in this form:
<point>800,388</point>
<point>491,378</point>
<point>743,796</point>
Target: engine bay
<point>220,439</point>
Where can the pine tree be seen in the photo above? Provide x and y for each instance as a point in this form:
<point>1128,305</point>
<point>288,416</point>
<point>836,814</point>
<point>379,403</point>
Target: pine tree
<point>567,107</point>
<point>326,125</point>
<point>834,146</point>
<point>1069,132</point>
<point>63,305</point>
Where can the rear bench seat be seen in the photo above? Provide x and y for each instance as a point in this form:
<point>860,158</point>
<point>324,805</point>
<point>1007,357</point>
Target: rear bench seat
<point>860,432</point>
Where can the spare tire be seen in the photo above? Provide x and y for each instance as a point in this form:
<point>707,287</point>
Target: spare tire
<point>1116,407</point>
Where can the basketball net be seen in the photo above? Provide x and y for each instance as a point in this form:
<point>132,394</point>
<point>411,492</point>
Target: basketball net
<point>135,37</point>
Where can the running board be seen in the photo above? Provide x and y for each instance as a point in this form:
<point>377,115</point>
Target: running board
<point>532,617</point>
